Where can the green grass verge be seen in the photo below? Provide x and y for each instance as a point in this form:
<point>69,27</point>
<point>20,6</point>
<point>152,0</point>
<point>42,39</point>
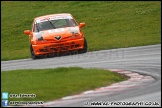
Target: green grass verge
<point>109,24</point>
<point>50,84</point>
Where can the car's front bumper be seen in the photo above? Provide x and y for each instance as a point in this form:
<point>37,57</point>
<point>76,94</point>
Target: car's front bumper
<point>47,48</point>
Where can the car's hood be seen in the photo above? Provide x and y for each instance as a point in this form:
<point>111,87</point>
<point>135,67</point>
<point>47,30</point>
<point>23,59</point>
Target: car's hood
<point>54,34</point>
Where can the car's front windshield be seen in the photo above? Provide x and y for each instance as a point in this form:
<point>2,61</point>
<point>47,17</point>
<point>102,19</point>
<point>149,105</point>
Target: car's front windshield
<point>54,24</point>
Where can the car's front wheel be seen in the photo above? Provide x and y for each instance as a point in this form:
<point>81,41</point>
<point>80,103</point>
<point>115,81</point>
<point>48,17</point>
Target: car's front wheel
<point>33,56</point>
<point>84,50</point>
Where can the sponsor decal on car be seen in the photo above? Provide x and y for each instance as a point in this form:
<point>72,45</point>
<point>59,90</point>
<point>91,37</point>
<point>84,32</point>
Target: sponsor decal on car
<point>53,18</point>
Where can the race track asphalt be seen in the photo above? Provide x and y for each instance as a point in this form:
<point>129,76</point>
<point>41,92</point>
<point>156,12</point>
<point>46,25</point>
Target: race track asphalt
<point>144,60</point>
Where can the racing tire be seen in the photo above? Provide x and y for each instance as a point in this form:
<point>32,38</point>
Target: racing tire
<point>33,56</point>
<point>84,50</point>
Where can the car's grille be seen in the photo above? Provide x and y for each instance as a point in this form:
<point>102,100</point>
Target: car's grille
<point>60,47</point>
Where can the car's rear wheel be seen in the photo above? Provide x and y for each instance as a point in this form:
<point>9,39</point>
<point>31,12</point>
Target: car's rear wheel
<point>33,56</point>
<point>84,50</point>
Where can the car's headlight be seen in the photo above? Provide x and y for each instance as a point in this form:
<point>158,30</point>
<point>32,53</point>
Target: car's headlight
<point>40,38</point>
<point>76,35</point>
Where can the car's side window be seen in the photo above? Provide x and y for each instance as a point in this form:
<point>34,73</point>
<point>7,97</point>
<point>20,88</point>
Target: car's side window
<point>35,29</point>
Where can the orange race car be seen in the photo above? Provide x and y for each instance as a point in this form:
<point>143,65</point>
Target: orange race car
<point>56,33</point>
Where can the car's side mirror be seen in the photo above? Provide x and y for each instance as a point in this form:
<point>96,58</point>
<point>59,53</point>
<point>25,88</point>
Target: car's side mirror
<point>27,32</point>
<point>81,25</point>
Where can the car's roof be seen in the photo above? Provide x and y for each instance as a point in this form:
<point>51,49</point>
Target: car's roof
<point>52,15</point>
